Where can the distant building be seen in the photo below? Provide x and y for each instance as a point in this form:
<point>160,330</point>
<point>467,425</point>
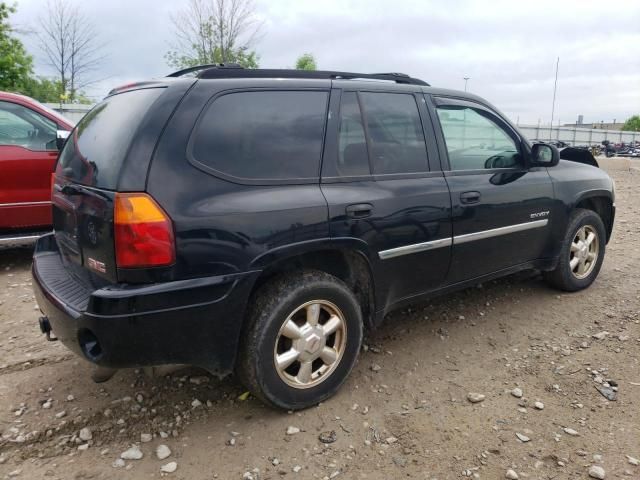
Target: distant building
<point>597,125</point>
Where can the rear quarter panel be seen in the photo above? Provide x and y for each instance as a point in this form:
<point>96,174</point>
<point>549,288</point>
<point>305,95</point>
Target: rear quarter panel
<point>221,227</point>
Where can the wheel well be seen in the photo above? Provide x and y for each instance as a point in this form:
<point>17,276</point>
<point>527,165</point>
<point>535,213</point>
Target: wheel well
<point>603,207</point>
<point>347,265</point>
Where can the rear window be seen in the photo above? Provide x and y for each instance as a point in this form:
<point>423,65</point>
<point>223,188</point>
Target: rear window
<point>262,135</point>
<point>94,153</point>
<point>396,139</point>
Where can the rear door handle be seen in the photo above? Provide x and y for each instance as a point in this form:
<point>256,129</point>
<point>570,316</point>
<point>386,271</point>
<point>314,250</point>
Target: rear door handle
<point>469,197</point>
<point>359,210</point>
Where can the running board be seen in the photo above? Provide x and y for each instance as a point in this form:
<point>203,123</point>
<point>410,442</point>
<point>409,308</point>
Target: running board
<point>26,238</point>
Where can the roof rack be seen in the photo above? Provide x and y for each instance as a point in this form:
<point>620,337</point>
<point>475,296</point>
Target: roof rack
<point>198,68</point>
<point>233,70</point>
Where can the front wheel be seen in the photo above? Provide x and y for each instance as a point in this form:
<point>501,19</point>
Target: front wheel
<point>302,339</point>
<point>582,252</point>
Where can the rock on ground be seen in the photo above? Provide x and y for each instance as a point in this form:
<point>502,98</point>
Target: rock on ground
<point>474,397</point>
<point>133,453</point>
<point>162,452</point>
<point>169,467</point>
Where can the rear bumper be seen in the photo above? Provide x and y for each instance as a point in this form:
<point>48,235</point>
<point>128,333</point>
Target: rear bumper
<point>196,321</point>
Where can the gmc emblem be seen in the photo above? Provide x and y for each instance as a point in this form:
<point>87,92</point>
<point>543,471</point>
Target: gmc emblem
<point>96,265</point>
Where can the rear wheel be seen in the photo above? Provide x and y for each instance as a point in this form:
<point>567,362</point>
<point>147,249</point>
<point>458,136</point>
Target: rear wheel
<point>303,337</point>
<point>582,252</point>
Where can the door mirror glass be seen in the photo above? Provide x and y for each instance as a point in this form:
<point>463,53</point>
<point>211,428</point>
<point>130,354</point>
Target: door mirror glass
<point>544,155</point>
<point>61,137</point>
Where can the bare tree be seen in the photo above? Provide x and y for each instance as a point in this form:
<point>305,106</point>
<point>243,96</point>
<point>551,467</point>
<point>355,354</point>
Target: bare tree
<point>69,41</point>
<point>215,31</point>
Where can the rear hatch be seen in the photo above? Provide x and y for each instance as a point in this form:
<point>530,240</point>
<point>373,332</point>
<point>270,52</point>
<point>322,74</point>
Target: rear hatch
<point>87,177</point>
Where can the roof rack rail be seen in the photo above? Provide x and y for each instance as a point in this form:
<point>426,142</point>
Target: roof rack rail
<point>198,68</point>
<point>236,71</point>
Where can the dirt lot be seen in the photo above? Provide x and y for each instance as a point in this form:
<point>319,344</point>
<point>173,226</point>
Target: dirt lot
<point>403,413</point>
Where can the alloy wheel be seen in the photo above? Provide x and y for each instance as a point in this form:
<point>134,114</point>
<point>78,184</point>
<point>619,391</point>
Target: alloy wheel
<point>585,248</point>
<point>310,344</point>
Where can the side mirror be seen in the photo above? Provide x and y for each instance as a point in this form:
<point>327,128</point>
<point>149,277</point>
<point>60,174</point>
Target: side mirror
<point>544,155</point>
<point>61,137</point>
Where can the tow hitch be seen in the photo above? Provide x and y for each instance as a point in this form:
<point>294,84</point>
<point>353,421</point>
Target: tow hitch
<point>45,327</point>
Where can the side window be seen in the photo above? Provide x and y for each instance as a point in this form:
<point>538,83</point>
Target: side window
<point>263,135</point>
<point>352,144</point>
<point>474,141</point>
<point>396,138</point>
<point>26,128</point>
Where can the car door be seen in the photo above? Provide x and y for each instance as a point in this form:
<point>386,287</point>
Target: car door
<point>27,156</point>
<point>381,189</point>
<point>501,206</point>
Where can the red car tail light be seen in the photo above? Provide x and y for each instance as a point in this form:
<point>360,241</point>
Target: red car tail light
<point>143,232</point>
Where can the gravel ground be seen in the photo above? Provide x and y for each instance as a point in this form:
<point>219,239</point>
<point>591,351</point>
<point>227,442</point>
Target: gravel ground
<point>532,359</point>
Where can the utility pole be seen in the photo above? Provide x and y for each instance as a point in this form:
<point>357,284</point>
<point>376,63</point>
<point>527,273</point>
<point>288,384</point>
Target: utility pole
<point>553,103</point>
<point>466,79</point>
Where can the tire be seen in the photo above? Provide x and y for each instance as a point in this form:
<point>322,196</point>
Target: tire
<point>567,277</point>
<point>295,298</point>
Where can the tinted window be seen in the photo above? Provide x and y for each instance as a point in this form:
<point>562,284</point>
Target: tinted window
<point>352,144</point>
<point>263,135</point>
<point>474,141</point>
<point>26,128</point>
<point>396,139</point>
<point>96,149</point>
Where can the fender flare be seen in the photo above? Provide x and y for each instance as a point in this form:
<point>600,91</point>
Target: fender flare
<point>344,244</point>
<point>585,194</point>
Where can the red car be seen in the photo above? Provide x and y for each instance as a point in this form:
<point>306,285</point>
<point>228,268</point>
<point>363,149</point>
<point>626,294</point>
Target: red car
<point>30,136</point>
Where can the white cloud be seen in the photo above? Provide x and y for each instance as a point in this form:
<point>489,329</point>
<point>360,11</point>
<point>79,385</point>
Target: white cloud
<point>508,48</point>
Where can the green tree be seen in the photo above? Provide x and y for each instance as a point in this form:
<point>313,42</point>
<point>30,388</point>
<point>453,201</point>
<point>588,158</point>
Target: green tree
<point>248,59</point>
<point>15,64</point>
<point>48,90</point>
<point>632,124</point>
<point>43,89</point>
<point>71,45</point>
<point>214,31</point>
<point>306,62</point>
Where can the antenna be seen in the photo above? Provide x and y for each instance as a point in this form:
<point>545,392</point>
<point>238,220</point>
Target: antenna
<point>553,103</point>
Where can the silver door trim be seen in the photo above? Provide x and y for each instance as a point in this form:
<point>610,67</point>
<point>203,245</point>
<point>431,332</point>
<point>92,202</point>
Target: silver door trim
<point>415,248</point>
<point>20,240</point>
<point>496,232</point>
<point>460,239</point>
<point>24,204</point>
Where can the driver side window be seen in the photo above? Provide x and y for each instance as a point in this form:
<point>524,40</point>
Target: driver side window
<point>474,141</point>
<point>23,127</point>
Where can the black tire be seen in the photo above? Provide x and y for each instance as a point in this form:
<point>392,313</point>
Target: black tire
<point>563,277</point>
<point>272,304</point>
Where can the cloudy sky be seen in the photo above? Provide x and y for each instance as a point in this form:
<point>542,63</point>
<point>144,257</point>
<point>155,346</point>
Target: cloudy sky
<point>507,47</point>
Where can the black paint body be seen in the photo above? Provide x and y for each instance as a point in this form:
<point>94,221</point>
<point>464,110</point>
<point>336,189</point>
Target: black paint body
<point>228,233</point>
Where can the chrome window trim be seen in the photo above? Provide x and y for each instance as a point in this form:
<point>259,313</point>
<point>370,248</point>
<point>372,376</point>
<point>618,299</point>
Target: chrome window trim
<point>460,239</point>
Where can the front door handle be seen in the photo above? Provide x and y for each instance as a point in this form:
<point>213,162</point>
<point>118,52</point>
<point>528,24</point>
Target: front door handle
<point>359,210</point>
<point>469,197</point>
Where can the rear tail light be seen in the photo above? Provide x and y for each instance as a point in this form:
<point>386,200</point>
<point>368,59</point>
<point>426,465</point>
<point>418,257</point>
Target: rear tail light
<point>143,232</point>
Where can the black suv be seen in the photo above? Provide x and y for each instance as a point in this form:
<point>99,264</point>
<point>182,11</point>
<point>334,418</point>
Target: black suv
<point>258,221</point>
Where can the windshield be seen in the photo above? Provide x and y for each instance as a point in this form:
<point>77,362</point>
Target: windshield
<point>94,153</point>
